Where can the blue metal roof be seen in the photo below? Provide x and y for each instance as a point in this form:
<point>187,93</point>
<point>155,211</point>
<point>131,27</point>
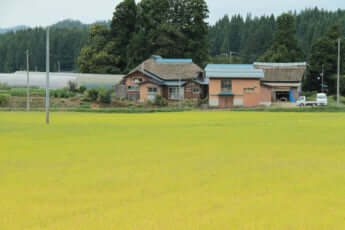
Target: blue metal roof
<point>171,60</point>
<point>233,71</point>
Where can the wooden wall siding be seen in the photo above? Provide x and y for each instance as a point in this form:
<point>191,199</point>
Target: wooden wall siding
<point>129,79</point>
<point>188,91</point>
<point>266,94</point>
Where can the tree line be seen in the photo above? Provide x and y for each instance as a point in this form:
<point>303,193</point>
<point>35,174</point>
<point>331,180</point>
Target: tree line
<point>65,45</point>
<point>178,29</point>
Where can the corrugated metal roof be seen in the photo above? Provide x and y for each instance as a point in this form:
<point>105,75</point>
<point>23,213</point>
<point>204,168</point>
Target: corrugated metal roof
<point>227,66</point>
<point>170,60</point>
<point>233,71</point>
<point>288,64</point>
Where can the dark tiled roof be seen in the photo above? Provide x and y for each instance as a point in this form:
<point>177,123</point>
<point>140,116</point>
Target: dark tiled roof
<point>169,70</point>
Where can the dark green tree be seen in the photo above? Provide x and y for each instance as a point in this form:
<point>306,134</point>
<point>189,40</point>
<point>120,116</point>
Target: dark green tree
<point>96,56</point>
<point>285,46</point>
<point>195,30</point>
<point>325,56</point>
<point>122,30</point>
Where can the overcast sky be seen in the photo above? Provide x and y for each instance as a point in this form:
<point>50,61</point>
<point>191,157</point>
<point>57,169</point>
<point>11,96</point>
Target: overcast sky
<point>46,12</point>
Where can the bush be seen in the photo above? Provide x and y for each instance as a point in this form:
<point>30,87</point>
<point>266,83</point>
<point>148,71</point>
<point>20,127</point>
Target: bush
<point>72,86</point>
<point>92,94</point>
<point>4,99</point>
<point>202,102</point>
<point>190,103</point>
<point>82,89</point>
<point>61,93</point>
<point>160,101</point>
<point>104,95</point>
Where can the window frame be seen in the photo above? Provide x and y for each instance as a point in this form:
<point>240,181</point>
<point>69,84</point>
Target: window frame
<point>225,86</point>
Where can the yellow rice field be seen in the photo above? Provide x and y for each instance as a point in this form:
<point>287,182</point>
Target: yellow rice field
<point>173,171</point>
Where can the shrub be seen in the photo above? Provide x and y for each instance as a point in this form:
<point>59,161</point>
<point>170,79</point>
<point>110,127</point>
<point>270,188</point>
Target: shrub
<point>72,86</point>
<point>190,103</point>
<point>202,102</point>
<point>104,95</point>
<point>92,94</point>
<point>4,99</point>
<point>160,101</point>
<point>82,89</point>
<point>61,93</point>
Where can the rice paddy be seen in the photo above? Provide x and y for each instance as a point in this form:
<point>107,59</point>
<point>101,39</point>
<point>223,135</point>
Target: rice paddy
<point>172,171</point>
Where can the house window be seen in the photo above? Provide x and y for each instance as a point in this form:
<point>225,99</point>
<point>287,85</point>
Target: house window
<point>196,90</point>
<point>152,90</point>
<point>173,93</point>
<point>133,88</point>
<point>226,85</point>
<point>249,90</point>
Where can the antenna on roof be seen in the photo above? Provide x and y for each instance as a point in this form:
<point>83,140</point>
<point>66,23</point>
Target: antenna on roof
<point>143,66</point>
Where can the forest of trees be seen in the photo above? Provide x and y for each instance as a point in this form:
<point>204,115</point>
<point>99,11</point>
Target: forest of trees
<point>251,36</point>
<point>65,43</point>
<point>178,29</point>
<point>170,28</point>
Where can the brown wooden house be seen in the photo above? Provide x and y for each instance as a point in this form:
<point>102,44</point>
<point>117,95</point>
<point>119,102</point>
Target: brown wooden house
<point>173,79</point>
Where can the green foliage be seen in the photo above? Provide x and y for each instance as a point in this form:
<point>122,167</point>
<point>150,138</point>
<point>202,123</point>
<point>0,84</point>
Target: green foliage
<point>72,86</point>
<point>170,28</point>
<point>92,94</point>
<point>21,92</point>
<point>4,99</point>
<point>325,56</point>
<point>104,95</point>
<point>190,103</point>
<point>160,101</point>
<point>96,55</point>
<point>61,93</point>
<point>285,47</point>
<point>82,89</point>
<point>65,45</point>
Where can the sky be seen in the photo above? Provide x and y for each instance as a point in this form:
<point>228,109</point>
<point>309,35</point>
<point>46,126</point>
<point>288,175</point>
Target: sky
<point>47,12</point>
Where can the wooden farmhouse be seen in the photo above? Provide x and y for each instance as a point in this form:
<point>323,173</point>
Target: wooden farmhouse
<point>166,77</point>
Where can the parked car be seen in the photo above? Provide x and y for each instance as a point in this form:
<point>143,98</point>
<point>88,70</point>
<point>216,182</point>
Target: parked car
<point>321,100</point>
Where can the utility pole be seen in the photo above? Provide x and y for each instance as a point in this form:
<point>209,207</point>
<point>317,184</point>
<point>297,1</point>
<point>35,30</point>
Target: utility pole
<point>27,82</point>
<point>338,78</point>
<point>59,66</point>
<point>47,79</point>
<point>179,92</point>
<point>322,75</point>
